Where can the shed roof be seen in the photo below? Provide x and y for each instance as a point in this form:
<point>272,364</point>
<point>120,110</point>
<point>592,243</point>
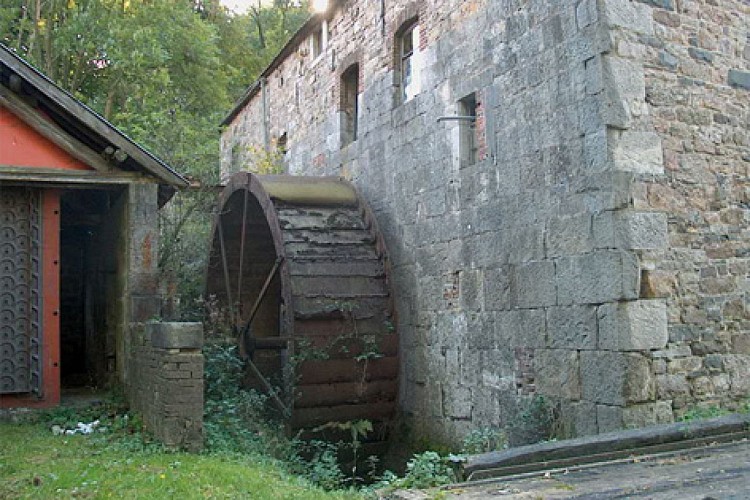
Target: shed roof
<point>23,86</point>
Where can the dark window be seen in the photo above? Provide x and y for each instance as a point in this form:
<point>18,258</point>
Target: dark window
<point>467,111</point>
<point>349,105</point>
<point>281,144</point>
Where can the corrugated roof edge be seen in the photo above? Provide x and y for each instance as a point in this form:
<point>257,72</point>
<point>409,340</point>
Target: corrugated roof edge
<point>93,121</point>
<point>285,51</point>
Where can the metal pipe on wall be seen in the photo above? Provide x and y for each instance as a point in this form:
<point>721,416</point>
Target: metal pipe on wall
<point>264,99</point>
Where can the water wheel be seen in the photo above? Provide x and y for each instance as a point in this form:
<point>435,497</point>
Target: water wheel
<point>301,269</point>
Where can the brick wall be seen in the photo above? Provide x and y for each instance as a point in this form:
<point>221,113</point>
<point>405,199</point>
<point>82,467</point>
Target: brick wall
<point>530,271</point>
<point>167,383</point>
<point>694,57</point>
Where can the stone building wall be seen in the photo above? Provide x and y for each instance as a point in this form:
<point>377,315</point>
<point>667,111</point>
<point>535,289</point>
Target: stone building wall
<point>520,273</point>
<point>694,57</point>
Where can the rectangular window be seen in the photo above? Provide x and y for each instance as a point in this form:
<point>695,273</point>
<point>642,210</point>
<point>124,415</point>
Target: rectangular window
<point>467,115</point>
<point>408,49</point>
<point>319,40</point>
<point>349,105</point>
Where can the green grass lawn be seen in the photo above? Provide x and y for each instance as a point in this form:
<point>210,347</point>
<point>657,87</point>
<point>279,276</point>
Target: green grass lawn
<point>36,464</point>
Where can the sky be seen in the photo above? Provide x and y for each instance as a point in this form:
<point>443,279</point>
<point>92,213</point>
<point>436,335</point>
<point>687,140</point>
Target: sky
<point>241,6</point>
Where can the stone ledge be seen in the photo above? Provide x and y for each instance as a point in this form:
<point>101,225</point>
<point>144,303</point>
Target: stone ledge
<point>173,335</point>
<point>596,448</point>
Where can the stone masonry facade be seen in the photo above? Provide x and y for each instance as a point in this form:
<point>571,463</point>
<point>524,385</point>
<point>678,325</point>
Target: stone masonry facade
<point>593,249</point>
<point>168,375</point>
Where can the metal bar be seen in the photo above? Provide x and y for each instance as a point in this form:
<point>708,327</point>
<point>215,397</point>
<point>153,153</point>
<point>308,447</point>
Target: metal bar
<point>226,270</point>
<point>467,118</point>
<point>287,412</point>
<point>261,295</point>
<point>242,247</point>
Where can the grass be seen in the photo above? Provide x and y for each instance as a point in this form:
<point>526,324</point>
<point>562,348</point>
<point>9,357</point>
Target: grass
<point>36,464</point>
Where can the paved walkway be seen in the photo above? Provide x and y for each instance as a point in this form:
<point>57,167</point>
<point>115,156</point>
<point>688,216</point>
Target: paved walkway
<point>714,472</point>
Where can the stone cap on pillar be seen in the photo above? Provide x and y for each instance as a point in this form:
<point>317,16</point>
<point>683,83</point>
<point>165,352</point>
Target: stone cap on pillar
<point>175,335</point>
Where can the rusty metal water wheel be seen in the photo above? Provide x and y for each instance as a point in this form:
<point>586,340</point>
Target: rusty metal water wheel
<point>301,268</point>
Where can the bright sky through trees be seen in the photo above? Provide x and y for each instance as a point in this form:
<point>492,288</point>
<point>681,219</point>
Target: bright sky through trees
<point>241,6</point>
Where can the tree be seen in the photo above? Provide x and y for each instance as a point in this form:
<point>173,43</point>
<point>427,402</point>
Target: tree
<point>163,71</point>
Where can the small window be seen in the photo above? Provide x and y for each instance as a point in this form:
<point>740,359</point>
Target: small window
<point>319,40</point>
<point>467,111</point>
<point>349,105</point>
<point>281,144</point>
<point>408,47</point>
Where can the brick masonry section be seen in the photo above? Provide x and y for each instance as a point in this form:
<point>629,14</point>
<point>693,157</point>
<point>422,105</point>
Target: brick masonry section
<point>168,383</point>
<point>695,60</point>
<point>596,252</point>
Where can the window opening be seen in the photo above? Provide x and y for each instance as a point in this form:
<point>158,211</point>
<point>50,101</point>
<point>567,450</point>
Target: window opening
<point>408,47</point>
<point>349,105</point>
<point>467,107</point>
<point>281,144</point>
<point>319,40</point>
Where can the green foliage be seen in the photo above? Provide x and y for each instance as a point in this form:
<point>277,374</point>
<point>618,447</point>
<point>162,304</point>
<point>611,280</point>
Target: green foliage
<point>538,420</point>
<point>429,469</point>
<point>702,412</point>
<point>484,440</point>
<point>263,162</point>
<point>322,467</point>
<point>36,464</point>
<point>424,470</point>
<point>166,73</point>
<point>699,412</point>
<point>236,419</point>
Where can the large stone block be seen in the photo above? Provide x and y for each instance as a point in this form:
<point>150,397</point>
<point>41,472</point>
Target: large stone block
<point>557,373</point>
<point>739,79</point>
<point>587,13</point>
<point>457,401</point>
<point>471,291</point>
<point>632,16</point>
<point>608,418</point>
<point>633,325</point>
<point>175,335</point>
<point>534,284</point>
<point>598,277</point>
<point>520,328</point>
<point>614,378</point>
<point>569,235</point>
<point>635,151</point>
<point>578,419</point>
<point>497,288</point>
<point>643,415</point>
<point>631,230</point>
<point>571,327</point>
<point>624,91</point>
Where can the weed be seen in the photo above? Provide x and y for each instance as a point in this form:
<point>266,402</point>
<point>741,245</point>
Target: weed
<point>265,162</point>
<point>236,419</point>
<point>322,468</point>
<point>484,440</point>
<point>424,470</point>
<point>698,413</point>
<point>359,429</point>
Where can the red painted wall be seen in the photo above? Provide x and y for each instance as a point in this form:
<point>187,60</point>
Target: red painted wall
<point>50,310</point>
<point>22,146</point>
